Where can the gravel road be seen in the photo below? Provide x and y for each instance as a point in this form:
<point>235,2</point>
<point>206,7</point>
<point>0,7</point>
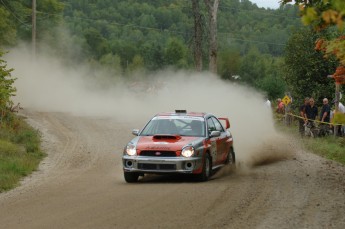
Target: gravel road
<point>80,185</point>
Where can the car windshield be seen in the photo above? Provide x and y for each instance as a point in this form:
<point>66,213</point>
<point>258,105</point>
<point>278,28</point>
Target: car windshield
<point>179,125</point>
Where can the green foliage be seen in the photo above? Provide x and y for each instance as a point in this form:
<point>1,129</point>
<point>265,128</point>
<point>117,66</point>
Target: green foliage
<point>146,28</point>
<point>323,14</point>
<point>20,151</point>
<point>8,32</point>
<point>263,72</point>
<point>328,147</point>
<point>305,68</point>
<point>8,148</point>
<point>29,138</point>
<point>229,63</point>
<point>112,62</point>
<point>176,53</point>
<point>96,42</point>
<point>7,90</point>
<point>19,144</point>
<point>252,67</point>
<point>137,63</point>
<point>18,19</point>
<point>125,35</point>
<point>273,86</point>
<point>273,83</point>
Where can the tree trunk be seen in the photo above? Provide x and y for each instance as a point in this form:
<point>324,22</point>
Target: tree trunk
<point>197,35</point>
<point>212,7</point>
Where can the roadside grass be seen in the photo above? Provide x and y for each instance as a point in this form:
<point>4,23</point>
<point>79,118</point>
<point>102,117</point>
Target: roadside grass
<point>20,152</point>
<point>330,147</point>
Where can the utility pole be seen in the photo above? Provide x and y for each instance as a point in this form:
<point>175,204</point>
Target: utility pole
<point>33,29</point>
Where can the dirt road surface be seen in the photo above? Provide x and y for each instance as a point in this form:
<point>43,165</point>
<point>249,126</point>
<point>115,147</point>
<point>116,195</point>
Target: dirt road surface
<point>80,185</point>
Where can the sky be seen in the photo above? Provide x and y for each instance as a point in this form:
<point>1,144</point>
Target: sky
<point>273,4</point>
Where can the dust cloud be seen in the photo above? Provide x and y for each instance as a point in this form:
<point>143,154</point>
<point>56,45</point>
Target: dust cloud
<point>47,85</point>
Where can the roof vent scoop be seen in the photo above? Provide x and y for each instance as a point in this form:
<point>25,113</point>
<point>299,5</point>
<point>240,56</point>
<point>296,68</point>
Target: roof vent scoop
<point>181,111</point>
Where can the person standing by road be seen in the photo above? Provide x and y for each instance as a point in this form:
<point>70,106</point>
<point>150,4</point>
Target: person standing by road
<point>280,106</point>
<point>311,111</point>
<point>325,114</point>
<point>303,117</point>
<point>325,117</point>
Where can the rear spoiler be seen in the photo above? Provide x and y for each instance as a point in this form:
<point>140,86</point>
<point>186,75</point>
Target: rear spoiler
<point>227,123</point>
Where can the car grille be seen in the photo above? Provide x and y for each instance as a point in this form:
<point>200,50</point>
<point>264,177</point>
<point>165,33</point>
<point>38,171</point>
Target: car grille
<point>156,166</point>
<point>158,153</point>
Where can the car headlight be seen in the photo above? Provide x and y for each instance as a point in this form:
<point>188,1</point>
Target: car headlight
<point>131,150</point>
<point>188,151</point>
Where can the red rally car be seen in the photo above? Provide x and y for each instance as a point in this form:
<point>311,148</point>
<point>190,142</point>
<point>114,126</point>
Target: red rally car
<point>179,142</point>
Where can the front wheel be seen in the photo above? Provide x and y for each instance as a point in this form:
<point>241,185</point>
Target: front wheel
<point>206,169</point>
<point>131,177</point>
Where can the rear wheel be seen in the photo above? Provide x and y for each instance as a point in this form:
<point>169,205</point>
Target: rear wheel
<point>206,169</point>
<point>231,160</point>
<point>131,177</point>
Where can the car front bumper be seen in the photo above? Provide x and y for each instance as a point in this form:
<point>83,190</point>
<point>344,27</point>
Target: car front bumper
<point>149,164</point>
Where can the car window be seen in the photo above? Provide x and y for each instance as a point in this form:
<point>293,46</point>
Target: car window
<point>190,127</point>
<point>183,127</point>
<point>166,126</point>
<point>210,125</point>
<point>150,128</point>
<point>218,125</point>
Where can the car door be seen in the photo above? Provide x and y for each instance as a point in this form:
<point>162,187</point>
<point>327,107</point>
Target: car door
<point>220,142</point>
<point>212,141</point>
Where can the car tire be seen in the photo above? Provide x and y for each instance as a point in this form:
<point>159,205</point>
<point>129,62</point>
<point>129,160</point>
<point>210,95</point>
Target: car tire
<point>131,177</point>
<point>206,169</point>
<point>231,159</point>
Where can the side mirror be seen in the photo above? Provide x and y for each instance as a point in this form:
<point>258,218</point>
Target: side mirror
<point>215,133</point>
<point>135,132</point>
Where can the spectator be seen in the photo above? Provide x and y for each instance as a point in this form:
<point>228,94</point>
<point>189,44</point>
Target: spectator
<point>280,106</point>
<point>325,116</point>
<point>311,110</point>
<point>325,111</point>
<point>303,118</point>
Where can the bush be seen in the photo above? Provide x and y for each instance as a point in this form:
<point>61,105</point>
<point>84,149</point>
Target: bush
<point>7,89</point>
<point>20,152</point>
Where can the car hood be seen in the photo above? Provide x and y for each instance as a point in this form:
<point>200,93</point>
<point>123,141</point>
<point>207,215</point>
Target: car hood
<point>164,142</point>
